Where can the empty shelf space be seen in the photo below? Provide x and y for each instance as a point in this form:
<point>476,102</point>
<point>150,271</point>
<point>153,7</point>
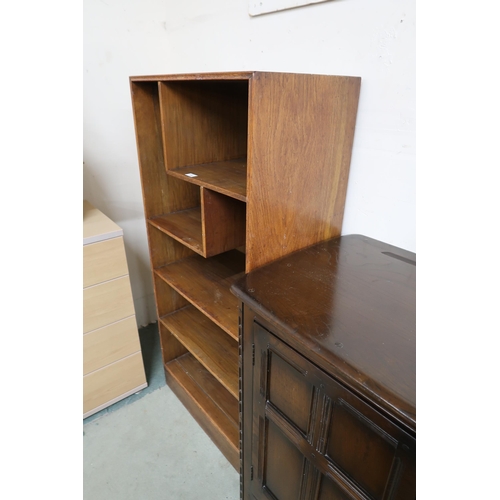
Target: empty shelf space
<point>184,226</point>
<point>226,177</point>
<point>206,284</point>
<point>213,407</point>
<point>210,345</point>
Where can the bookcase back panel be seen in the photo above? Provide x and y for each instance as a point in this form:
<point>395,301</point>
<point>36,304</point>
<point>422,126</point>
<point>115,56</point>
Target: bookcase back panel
<point>203,121</point>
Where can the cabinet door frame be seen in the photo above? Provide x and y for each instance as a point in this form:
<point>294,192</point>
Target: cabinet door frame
<point>259,347</point>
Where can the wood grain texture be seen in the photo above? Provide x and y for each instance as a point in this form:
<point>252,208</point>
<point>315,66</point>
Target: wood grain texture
<point>296,133</point>
<point>301,130</point>
<point>206,284</point>
<point>161,194</point>
<point>203,121</point>
<point>351,304</point>
<point>168,299</point>
<point>209,344</point>
<point>106,303</point>
<point>184,226</point>
<point>209,385</point>
<point>111,343</point>
<point>223,222</point>
<point>164,249</point>
<point>171,348</point>
<point>182,377</point>
<point>226,177</point>
<point>229,75</point>
<point>103,261</point>
<point>108,383</point>
<point>345,437</point>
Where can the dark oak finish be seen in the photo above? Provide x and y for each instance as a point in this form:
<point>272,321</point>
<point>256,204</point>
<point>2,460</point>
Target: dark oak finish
<point>269,154</point>
<point>328,363</point>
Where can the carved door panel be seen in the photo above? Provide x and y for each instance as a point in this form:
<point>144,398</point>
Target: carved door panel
<point>313,439</point>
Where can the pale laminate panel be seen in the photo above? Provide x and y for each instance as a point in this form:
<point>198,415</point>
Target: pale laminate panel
<point>104,261</point>
<point>112,381</point>
<point>111,343</point>
<point>96,226</point>
<point>106,303</point>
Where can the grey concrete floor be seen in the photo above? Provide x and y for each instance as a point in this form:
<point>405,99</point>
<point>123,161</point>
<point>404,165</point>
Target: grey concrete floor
<point>148,446</point>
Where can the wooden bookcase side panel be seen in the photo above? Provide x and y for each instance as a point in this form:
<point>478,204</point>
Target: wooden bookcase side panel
<point>223,222</point>
<point>171,348</point>
<point>301,130</point>
<point>162,194</point>
<point>203,121</point>
<point>168,300</point>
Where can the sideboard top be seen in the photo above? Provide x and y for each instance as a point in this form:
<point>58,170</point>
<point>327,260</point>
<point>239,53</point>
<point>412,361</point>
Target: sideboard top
<point>350,302</point>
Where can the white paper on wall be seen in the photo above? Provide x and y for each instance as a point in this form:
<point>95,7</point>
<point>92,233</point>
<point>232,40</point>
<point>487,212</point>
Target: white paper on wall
<point>257,7</point>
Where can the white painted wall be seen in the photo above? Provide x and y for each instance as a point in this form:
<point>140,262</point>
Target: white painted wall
<point>374,40</point>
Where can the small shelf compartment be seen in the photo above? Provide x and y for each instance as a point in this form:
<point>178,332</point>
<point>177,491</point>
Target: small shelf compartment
<point>213,407</point>
<point>225,177</point>
<point>184,226</point>
<point>217,226</point>
<point>209,344</point>
<point>206,284</point>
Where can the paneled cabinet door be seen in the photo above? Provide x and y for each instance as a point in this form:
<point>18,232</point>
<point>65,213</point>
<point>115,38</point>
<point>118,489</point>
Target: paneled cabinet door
<point>314,439</point>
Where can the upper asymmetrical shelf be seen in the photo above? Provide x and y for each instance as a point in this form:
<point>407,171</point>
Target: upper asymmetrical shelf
<point>225,177</point>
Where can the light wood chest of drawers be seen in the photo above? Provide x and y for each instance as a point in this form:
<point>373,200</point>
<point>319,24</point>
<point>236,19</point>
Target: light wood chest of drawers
<point>112,359</point>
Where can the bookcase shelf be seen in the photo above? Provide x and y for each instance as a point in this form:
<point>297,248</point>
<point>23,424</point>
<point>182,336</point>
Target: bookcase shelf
<point>237,170</point>
<point>225,177</point>
<point>213,407</point>
<point>206,284</point>
<point>210,345</point>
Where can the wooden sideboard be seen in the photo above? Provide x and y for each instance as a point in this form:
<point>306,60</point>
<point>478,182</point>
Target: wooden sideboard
<point>327,374</point>
<point>112,358</point>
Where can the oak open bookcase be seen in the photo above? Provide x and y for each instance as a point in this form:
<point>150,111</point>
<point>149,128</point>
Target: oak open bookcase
<point>237,170</point>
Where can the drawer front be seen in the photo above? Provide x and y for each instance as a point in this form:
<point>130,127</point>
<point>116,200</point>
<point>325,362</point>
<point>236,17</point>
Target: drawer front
<point>313,436</point>
<point>112,381</point>
<point>106,303</point>
<point>104,261</point>
<point>111,343</point>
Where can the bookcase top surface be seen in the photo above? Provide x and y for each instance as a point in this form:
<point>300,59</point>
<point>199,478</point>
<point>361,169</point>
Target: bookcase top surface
<point>230,75</point>
<point>223,75</point>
